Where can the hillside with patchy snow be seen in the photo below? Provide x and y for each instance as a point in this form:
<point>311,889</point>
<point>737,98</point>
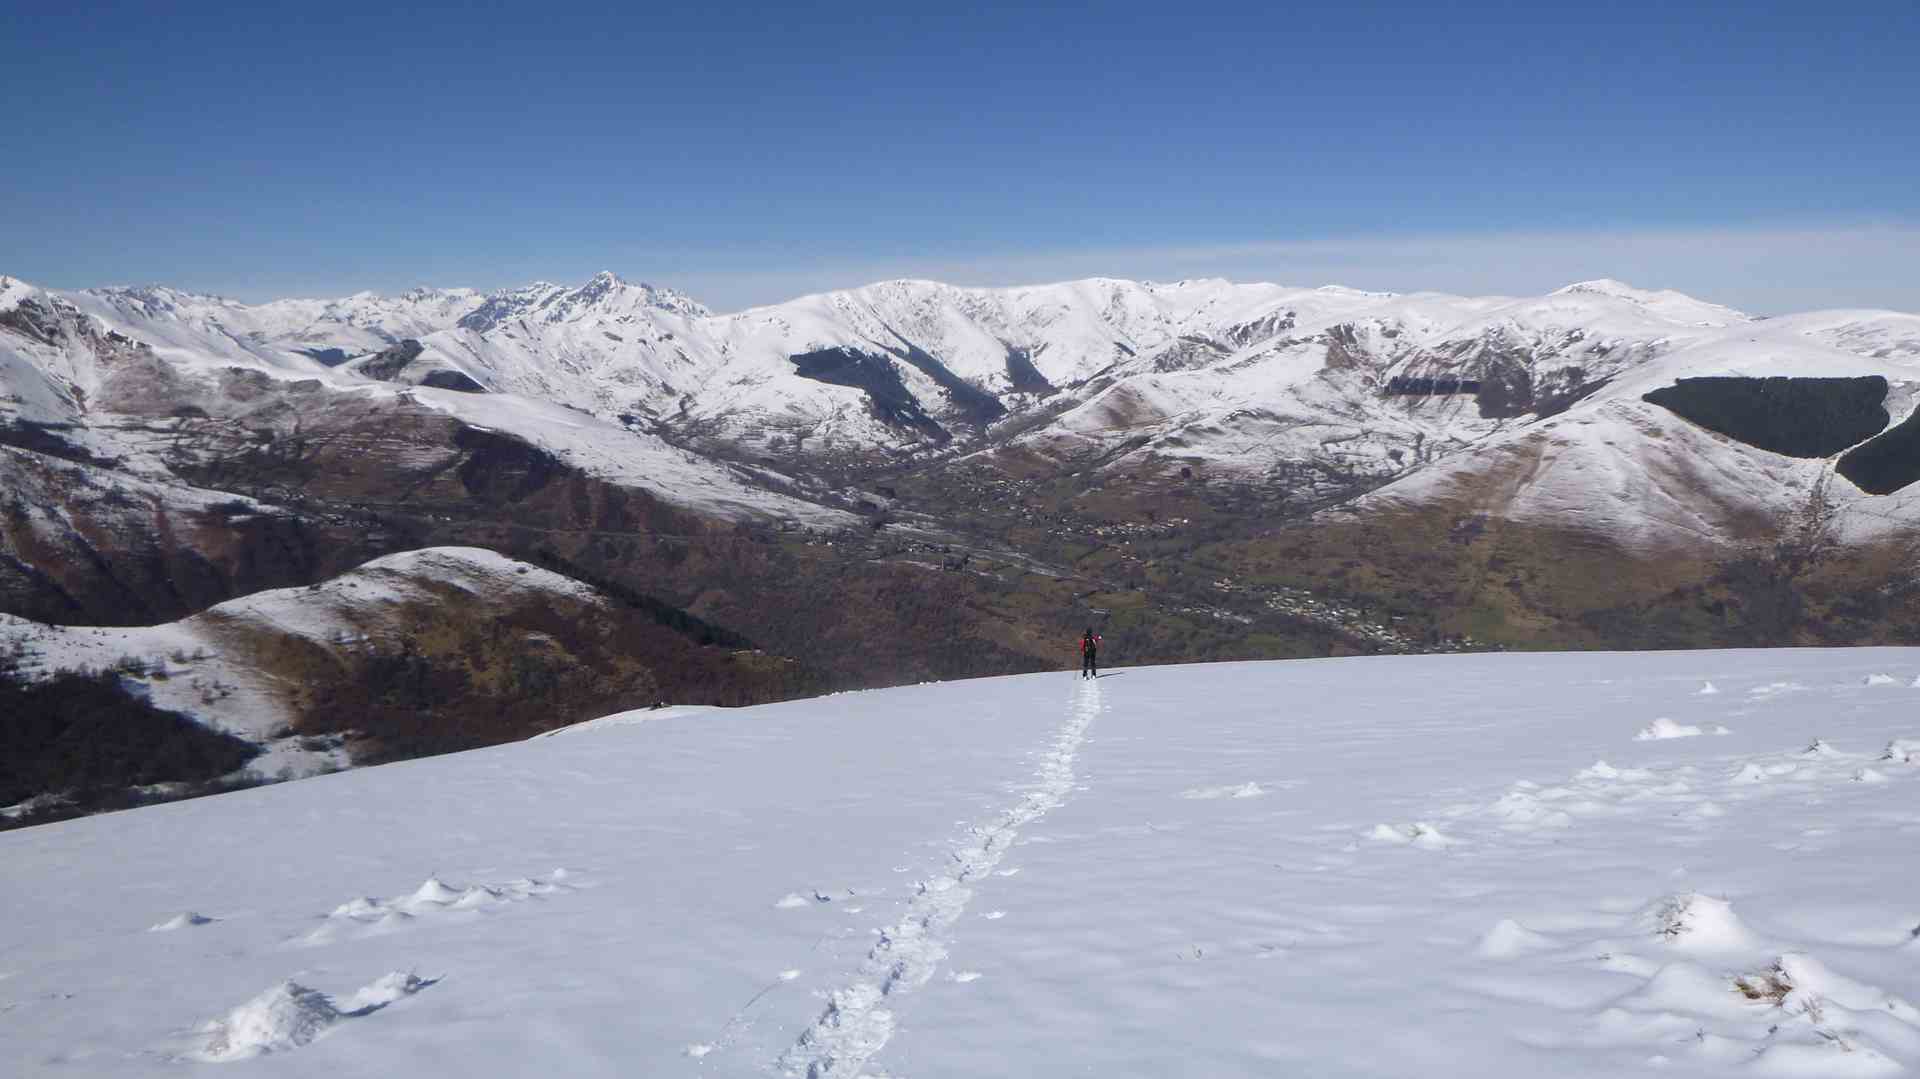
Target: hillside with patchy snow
<point>1577,865</point>
<point>418,652</point>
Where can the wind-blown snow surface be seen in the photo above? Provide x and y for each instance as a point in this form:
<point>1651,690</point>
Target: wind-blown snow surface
<point>1369,867</point>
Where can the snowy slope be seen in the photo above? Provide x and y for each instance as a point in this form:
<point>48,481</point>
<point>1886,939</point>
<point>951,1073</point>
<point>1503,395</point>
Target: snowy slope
<point>1576,865</point>
<point>1622,466</point>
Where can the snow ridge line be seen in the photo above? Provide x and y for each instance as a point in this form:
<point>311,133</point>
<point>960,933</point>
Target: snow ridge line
<point>857,1023</point>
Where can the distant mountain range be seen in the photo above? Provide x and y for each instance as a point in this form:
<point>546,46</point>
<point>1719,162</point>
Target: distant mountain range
<point>1332,387</point>
<point>914,479</point>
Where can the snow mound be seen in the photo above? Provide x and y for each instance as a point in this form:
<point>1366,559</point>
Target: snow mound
<point>1749,773</point>
<point>1832,1006</point>
<point>362,907</point>
<point>1903,751</point>
<point>1879,680</point>
<point>1819,748</point>
<point>1868,775</point>
<point>433,891</point>
<point>291,1015</point>
<point>478,896</point>
<point>365,916</point>
<point>287,1016</point>
<point>183,920</point>
<point>1243,790</point>
<point>1509,939</point>
<point>1694,922</point>
<point>1601,770</point>
<point>1523,808</point>
<point>1417,834</point>
<point>1666,728</point>
<point>1708,689</point>
<point>383,991</point>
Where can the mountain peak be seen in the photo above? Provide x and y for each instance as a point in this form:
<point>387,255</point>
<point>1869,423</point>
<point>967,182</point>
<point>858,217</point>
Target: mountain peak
<point>1602,286</point>
<point>13,291</point>
<point>605,291</point>
<point>1665,303</point>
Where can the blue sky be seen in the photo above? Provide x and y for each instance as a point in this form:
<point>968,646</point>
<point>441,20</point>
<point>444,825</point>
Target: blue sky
<point>1761,154</point>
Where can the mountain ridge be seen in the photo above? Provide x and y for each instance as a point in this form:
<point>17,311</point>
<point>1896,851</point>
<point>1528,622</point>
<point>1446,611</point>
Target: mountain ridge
<point>913,480</point>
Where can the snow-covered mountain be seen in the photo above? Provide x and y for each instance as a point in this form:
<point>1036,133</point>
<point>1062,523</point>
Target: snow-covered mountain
<point>1249,378</point>
<point>1551,864</point>
<point>323,329</point>
<point>986,443</point>
<point>122,373</point>
<point>1331,389</point>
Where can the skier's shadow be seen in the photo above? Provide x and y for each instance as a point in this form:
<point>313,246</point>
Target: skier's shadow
<point>1110,674</point>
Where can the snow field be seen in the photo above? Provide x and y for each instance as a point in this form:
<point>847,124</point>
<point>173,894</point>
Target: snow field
<point>988,879</point>
<point>856,1023</point>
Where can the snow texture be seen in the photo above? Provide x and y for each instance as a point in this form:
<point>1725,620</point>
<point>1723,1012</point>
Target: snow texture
<point>1004,877</point>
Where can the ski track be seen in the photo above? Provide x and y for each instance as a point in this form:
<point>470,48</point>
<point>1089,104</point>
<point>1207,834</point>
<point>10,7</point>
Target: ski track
<point>857,1022</point>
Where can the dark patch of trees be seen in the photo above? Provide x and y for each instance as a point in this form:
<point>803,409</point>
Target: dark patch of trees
<point>387,363</point>
<point>889,397</point>
<point>82,735</point>
<point>449,379</point>
<point>1411,386</point>
<point>45,438</point>
<point>1026,377</point>
<point>1794,417</point>
<point>976,404</point>
<point>330,357</point>
<point>1887,463</point>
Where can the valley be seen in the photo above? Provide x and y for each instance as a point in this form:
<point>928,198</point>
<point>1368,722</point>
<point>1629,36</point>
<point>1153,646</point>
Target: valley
<point>914,481</point>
